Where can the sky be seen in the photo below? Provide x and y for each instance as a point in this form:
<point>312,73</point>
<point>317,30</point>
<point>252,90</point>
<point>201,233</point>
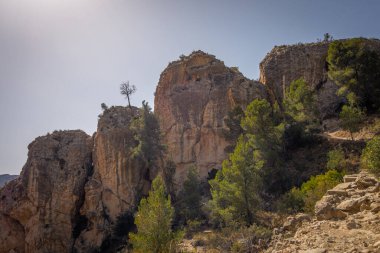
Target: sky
<point>60,59</point>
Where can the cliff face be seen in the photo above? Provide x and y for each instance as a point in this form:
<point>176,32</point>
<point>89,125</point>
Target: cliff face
<point>119,179</point>
<point>38,211</point>
<point>285,64</point>
<point>193,97</point>
<point>73,187</point>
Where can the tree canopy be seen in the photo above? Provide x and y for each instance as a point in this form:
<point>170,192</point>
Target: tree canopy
<point>355,67</point>
<point>127,90</point>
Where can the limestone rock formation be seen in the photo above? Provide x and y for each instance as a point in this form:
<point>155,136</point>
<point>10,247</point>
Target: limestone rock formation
<point>347,220</point>
<point>119,179</point>
<point>193,96</point>
<point>285,64</point>
<point>39,210</point>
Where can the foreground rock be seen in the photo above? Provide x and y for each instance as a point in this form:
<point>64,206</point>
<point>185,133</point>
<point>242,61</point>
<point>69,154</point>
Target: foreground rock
<point>193,97</point>
<point>39,210</point>
<point>347,220</point>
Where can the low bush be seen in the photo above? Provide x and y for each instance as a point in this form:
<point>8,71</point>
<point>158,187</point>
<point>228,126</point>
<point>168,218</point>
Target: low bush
<point>305,197</point>
<point>370,158</point>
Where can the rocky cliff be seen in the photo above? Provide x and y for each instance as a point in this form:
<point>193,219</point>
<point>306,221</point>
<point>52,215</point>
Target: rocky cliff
<point>119,178</point>
<point>39,210</point>
<point>285,64</point>
<point>73,187</point>
<point>193,97</point>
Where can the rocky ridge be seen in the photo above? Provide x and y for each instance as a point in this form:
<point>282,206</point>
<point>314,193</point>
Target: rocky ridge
<point>347,220</point>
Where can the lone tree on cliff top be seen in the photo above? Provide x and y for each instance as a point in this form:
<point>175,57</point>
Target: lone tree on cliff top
<point>127,90</point>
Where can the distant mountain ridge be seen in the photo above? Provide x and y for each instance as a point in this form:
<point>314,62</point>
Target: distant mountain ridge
<point>6,178</point>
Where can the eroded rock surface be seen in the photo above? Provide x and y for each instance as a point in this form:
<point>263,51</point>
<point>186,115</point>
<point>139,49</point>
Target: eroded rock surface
<point>39,210</point>
<point>285,64</point>
<point>347,220</point>
<point>119,178</point>
<point>193,97</point>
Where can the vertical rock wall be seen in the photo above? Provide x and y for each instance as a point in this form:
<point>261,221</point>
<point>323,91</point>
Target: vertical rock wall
<point>119,178</point>
<point>193,97</point>
<point>38,210</point>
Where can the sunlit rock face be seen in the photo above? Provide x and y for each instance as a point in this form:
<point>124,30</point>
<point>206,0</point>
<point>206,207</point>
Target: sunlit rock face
<point>193,97</point>
<point>119,179</point>
<point>39,210</point>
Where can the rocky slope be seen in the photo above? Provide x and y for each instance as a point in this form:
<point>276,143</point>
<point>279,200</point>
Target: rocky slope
<point>39,210</point>
<point>6,178</point>
<point>193,96</point>
<point>347,220</point>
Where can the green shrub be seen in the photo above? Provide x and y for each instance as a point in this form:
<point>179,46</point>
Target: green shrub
<point>154,222</point>
<point>370,158</point>
<point>314,189</point>
<point>305,197</point>
<point>336,160</point>
<point>291,202</point>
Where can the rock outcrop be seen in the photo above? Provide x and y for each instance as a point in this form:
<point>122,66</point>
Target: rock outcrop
<point>285,64</point>
<point>193,97</point>
<point>119,178</point>
<point>347,220</point>
<point>39,210</point>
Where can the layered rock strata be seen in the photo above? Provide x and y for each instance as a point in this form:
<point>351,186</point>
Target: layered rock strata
<point>193,97</point>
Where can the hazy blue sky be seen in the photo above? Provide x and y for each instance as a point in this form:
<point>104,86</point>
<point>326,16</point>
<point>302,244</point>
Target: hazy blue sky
<point>60,59</point>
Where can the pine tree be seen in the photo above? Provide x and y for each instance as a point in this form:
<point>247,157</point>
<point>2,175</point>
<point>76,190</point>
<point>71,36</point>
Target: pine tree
<point>147,136</point>
<point>299,102</point>
<point>189,198</point>
<point>350,118</point>
<point>154,221</point>
<point>235,189</point>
